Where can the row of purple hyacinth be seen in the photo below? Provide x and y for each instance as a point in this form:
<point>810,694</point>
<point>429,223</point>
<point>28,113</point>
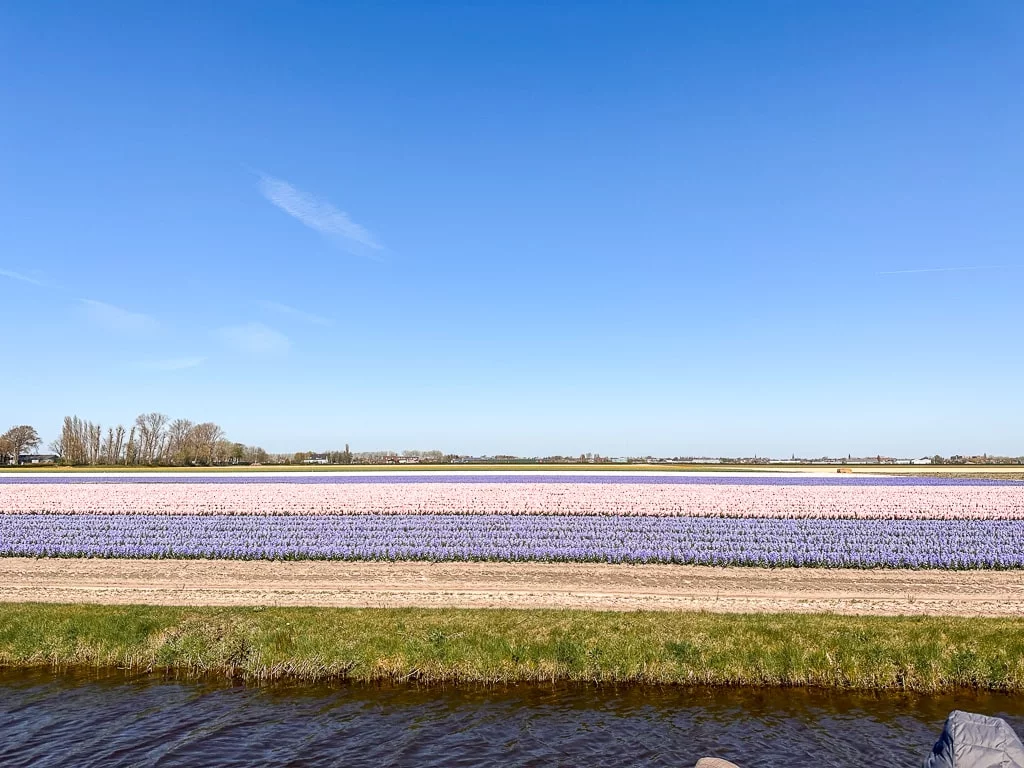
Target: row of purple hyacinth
<point>705,541</point>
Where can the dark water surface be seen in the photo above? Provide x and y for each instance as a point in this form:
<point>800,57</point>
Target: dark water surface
<point>49,719</point>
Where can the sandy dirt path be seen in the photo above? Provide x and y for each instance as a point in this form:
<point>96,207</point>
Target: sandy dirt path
<point>512,585</point>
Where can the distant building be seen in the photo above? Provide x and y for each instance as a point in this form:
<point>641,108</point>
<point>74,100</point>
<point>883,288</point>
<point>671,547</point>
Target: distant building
<point>317,458</point>
<point>38,458</point>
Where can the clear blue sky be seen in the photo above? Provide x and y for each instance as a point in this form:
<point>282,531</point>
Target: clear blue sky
<point>669,228</point>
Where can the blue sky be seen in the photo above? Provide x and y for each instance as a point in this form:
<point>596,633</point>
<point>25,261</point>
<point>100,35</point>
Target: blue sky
<point>669,228</point>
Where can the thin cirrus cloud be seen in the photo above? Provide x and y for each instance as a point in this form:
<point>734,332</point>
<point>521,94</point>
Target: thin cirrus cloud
<point>255,339</point>
<point>297,314</point>
<point>21,277</point>
<point>117,319</point>
<point>174,363</point>
<point>937,269</point>
<point>320,215</point>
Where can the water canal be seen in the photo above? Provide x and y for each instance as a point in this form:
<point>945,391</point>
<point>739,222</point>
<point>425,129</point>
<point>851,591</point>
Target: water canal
<point>76,719</point>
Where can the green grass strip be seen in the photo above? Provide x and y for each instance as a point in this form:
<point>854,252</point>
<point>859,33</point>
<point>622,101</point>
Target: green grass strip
<point>498,646</point>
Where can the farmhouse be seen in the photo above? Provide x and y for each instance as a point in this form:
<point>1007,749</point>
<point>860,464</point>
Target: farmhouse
<point>37,458</point>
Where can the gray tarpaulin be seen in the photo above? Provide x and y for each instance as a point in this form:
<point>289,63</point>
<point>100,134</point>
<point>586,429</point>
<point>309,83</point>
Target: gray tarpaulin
<point>976,741</point>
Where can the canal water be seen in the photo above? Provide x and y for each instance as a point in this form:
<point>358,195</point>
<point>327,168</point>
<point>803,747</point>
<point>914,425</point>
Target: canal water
<point>68,720</point>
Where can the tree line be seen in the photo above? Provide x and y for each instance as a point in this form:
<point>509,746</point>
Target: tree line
<point>346,456</point>
<point>153,439</point>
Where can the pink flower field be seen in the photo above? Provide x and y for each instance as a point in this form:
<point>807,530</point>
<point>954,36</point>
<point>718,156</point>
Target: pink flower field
<point>934,502</point>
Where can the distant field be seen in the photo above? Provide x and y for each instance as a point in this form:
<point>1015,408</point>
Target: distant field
<point>978,475</point>
<point>743,519</point>
<point>780,574</point>
<point>1000,472</point>
<point>977,472</point>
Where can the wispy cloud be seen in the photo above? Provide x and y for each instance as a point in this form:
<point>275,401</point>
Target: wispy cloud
<point>321,216</point>
<point>174,363</point>
<point>22,277</point>
<point>117,319</point>
<point>938,269</point>
<point>254,339</point>
<point>298,314</point>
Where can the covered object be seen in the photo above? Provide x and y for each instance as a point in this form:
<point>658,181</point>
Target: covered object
<point>976,741</point>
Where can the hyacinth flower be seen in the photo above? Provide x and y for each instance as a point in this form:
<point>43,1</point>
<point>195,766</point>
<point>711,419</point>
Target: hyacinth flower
<point>572,538</point>
<point>770,497</point>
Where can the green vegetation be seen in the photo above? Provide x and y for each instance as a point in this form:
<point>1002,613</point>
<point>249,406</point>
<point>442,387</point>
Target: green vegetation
<point>496,646</point>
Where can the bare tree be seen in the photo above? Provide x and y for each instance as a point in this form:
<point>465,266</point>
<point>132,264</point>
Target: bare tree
<point>71,441</point>
<point>117,446</point>
<point>81,441</point>
<point>107,448</point>
<point>255,455</point>
<point>95,439</point>
<point>179,448</point>
<point>151,435</point>
<point>56,448</point>
<point>223,451</point>
<point>113,445</point>
<point>6,450</point>
<point>131,451</point>
<point>21,438</point>
<point>204,438</point>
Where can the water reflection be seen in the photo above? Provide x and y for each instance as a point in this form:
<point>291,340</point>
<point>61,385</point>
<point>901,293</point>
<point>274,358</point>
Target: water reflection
<point>49,719</point>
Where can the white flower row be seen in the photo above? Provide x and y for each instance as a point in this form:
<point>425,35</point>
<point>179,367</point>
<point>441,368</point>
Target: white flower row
<point>621,498</point>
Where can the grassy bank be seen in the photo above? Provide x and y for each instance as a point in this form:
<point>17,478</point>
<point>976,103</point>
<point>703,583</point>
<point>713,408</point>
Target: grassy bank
<point>493,646</point>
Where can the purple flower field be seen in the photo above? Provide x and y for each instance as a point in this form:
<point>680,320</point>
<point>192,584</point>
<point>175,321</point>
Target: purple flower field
<point>863,522</point>
<point>701,541</point>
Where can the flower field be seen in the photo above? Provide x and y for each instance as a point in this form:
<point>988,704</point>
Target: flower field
<point>568,496</point>
<point>690,540</point>
<point>768,521</point>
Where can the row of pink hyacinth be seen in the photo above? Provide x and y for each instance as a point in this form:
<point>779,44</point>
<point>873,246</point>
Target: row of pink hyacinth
<point>629,499</point>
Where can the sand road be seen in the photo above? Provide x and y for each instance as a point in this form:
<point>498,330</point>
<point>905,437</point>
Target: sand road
<point>512,585</point>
